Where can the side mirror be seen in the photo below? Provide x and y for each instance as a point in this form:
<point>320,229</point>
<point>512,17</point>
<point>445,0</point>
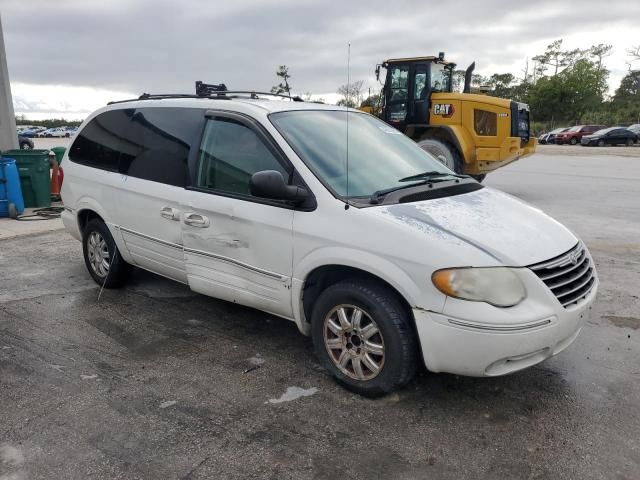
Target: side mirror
<point>378,72</point>
<point>271,184</point>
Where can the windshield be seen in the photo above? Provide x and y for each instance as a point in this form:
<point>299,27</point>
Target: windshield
<point>440,77</point>
<point>604,131</point>
<point>379,155</point>
<point>575,129</point>
<point>558,130</point>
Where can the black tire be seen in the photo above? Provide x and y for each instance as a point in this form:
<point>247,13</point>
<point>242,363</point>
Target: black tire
<point>573,140</point>
<point>67,135</point>
<point>25,146</point>
<point>13,211</point>
<point>119,270</point>
<point>629,142</point>
<point>444,152</point>
<point>383,306</point>
<point>601,143</point>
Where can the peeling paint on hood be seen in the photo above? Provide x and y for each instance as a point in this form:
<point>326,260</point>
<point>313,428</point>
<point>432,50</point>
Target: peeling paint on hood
<point>507,229</point>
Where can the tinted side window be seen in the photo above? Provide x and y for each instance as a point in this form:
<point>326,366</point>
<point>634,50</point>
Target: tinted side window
<point>485,122</point>
<point>98,144</point>
<point>157,143</point>
<point>230,153</point>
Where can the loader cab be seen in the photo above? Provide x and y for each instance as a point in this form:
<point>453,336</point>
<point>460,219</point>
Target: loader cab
<point>408,86</point>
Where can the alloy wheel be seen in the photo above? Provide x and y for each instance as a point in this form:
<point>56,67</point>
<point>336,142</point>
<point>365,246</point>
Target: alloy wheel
<point>354,342</point>
<point>98,253</point>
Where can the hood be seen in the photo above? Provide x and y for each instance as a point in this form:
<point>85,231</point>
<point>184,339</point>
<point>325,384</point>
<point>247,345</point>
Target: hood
<point>507,229</point>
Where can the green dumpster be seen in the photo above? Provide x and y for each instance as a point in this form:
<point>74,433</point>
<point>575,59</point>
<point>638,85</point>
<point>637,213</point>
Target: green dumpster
<point>59,151</point>
<point>35,181</point>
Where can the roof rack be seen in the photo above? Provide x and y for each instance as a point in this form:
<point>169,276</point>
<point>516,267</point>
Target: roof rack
<point>207,90</point>
<point>220,90</point>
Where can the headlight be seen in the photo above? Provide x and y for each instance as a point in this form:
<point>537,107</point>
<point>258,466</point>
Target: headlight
<point>498,286</point>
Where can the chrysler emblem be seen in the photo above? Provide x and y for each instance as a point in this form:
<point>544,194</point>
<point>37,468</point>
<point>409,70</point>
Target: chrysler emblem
<point>574,256</point>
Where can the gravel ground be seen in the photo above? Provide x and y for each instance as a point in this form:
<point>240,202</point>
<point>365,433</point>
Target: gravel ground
<point>149,381</point>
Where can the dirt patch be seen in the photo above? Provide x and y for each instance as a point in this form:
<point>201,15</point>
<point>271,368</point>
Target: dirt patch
<point>624,322</point>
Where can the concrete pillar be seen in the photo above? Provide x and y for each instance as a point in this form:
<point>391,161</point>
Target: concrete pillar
<point>8,137</point>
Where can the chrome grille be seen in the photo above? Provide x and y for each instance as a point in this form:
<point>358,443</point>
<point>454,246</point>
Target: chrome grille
<point>570,276</point>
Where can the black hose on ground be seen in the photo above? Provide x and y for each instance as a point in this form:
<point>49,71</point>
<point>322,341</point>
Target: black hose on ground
<point>46,213</point>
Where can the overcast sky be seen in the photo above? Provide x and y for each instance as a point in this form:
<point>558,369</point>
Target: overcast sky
<point>68,57</point>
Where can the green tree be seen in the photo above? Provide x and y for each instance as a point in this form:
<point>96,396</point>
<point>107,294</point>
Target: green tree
<point>500,84</point>
<point>374,101</point>
<point>625,104</point>
<point>557,59</point>
<point>283,87</point>
<point>570,94</point>
<point>600,52</point>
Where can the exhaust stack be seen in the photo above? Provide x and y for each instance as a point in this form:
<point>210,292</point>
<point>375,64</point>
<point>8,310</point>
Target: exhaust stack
<point>467,77</point>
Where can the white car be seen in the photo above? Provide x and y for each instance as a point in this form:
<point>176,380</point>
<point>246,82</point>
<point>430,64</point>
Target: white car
<point>379,252</point>
<point>56,132</point>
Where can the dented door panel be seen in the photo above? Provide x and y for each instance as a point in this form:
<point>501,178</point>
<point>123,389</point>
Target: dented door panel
<point>244,254</point>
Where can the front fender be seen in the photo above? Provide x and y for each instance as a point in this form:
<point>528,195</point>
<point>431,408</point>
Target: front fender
<point>361,260</point>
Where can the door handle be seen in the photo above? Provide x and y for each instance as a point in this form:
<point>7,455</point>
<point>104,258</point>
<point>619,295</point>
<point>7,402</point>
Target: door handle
<point>196,220</point>
<point>170,213</point>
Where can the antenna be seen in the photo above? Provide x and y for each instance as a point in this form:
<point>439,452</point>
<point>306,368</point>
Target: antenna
<point>346,203</point>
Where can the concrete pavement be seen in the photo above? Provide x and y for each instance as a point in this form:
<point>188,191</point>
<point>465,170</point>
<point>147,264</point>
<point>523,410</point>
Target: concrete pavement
<point>148,382</point>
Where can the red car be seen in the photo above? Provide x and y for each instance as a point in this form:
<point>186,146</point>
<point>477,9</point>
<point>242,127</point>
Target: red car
<point>574,134</point>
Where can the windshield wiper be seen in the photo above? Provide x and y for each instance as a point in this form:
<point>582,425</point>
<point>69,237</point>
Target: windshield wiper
<point>431,175</point>
<point>420,179</point>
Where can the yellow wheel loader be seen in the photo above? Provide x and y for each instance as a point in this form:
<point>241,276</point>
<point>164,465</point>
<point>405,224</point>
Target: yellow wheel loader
<point>470,133</point>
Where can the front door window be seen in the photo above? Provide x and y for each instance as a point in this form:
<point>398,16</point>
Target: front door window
<point>398,94</point>
<point>230,154</point>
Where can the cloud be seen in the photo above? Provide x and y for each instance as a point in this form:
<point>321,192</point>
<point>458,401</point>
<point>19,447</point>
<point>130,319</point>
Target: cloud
<point>164,46</point>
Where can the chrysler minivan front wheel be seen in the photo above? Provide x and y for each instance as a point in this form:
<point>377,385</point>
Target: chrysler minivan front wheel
<point>101,256</point>
<point>362,335</point>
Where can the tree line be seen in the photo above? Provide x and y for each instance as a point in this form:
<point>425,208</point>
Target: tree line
<point>568,87</point>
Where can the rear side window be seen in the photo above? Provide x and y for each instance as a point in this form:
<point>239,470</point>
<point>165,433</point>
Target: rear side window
<point>230,154</point>
<point>157,142</point>
<point>98,144</point>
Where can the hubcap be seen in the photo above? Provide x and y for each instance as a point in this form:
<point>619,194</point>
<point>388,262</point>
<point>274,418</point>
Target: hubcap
<point>98,254</point>
<point>354,342</point>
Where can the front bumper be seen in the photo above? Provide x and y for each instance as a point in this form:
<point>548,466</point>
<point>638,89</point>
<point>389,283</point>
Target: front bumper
<point>70,222</point>
<point>489,158</point>
<point>472,343</point>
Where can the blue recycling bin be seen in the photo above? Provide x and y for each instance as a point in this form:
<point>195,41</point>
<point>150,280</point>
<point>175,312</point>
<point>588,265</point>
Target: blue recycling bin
<point>11,201</point>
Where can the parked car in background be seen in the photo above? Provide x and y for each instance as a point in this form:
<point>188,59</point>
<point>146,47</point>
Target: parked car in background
<point>55,132</point>
<point>550,137</point>
<point>610,136</point>
<point>31,132</point>
<point>25,143</point>
<point>574,134</point>
<point>635,128</point>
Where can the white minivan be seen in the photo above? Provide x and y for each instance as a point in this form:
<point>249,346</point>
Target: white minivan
<point>334,220</point>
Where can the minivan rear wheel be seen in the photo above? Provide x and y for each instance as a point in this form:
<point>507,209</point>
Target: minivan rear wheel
<point>101,256</point>
<point>573,140</point>
<point>362,335</point>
